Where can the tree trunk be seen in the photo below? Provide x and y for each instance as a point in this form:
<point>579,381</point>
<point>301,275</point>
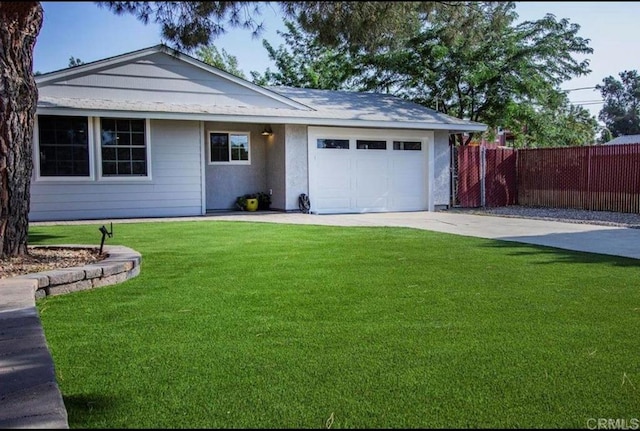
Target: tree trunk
<point>21,23</point>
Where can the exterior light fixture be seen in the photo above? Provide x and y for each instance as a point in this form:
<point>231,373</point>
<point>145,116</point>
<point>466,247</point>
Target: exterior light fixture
<point>267,131</point>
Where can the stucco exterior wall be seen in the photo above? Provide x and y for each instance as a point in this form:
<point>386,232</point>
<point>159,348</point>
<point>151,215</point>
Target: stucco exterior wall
<point>442,169</point>
<point>225,182</point>
<point>297,165</point>
<point>276,167</point>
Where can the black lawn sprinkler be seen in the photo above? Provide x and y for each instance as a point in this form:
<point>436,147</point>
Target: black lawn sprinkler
<point>105,233</point>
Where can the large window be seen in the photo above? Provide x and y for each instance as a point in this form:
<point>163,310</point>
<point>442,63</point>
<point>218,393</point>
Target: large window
<point>63,146</point>
<point>229,147</point>
<point>124,149</point>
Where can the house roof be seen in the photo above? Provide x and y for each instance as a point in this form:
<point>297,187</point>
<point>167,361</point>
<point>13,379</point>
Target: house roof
<point>294,105</point>
<point>626,139</point>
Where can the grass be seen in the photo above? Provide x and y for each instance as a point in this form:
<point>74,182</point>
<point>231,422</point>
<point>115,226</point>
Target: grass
<point>254,325</point>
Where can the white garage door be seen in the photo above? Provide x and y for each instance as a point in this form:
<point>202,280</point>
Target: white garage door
<point>356,171</point>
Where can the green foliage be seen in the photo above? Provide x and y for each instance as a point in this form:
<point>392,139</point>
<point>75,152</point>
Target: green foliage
<point>75,61</point>
<point>189,25</point>
<point>241,202</point>
<point>621,110</point>
<point>210,55</point>
<point>239,325</point>
<point>304,63</point>
<point>264,201</point>
<point>561,125</point>
<point>475,62</point>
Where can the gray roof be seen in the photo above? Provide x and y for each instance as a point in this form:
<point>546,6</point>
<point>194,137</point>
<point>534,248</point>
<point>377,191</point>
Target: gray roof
<point>326,108</point>
<point>626,139</point>
<point>367,106</point>
<point>301,106</point>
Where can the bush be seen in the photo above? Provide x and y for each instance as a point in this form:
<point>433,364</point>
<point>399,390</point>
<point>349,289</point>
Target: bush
<point>264,201</point>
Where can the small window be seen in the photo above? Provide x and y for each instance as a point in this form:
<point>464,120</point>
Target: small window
<point>229,147</point>
<point>407,145</point>
<point>63,146</point>
<point>124,149</point>
<point>371,145</point>
<point>342,144</point>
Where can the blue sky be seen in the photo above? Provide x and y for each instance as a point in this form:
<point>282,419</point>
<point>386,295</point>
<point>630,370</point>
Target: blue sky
<point>89,32</point>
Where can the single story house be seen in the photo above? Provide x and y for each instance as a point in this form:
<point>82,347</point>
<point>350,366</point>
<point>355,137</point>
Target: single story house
<point>624,139</point>
<point>157,133</point>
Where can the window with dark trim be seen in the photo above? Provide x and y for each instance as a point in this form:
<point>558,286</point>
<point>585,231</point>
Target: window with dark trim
<point>124,147</point>
<point>63,146</point>
<point>341,144</point>
<point>407,145</point>
<point>229,147</point>
<point>371,145</point>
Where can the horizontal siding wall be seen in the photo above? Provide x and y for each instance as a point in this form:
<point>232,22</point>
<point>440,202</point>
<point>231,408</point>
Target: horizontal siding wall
<point>175,188</point>
<point>158,78</point>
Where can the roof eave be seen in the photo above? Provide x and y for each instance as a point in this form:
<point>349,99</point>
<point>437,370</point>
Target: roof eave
<point>419,125</point>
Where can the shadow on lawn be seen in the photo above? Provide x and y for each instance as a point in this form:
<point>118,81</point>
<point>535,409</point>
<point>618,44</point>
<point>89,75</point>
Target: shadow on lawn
<point>81,409</point>
<point>619,247</point>
<point>38,237</point>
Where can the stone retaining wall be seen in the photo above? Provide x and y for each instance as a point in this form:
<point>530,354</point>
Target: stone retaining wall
<point>121,264</point>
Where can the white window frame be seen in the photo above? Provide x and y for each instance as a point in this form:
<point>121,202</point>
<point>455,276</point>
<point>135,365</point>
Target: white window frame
<point>36,153</point>
<point>230,162</point>
<point>98,150</point>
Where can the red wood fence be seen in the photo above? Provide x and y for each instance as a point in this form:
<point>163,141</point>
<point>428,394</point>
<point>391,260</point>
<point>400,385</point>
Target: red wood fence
<point>597,178</point>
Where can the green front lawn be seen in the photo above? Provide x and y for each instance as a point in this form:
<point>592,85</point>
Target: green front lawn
<point>256,325</point>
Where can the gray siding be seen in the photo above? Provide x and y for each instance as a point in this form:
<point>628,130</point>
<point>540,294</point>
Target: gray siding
<point>297,165</point>
<point>224,183</point>
<point>174,189</point>
<point>158,78</point>
<point>442,166</point>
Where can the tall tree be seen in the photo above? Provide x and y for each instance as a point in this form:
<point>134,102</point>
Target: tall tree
<point>485,71</point>
<point>621,110</point>
<point>222,60</point>
<point>21,23</point>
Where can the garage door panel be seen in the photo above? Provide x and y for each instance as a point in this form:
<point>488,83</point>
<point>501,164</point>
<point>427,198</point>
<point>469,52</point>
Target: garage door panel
<point>371,176</point>
<point>372,203</point>
<point>358,180</point>
<point>334,204</point>
<point>336,175</point>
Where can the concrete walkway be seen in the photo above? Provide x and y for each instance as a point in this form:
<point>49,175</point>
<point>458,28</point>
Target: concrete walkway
<point>29,395</point>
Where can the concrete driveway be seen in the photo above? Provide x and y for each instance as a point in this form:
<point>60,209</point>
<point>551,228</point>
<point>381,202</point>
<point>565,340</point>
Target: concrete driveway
<point>611,240</point>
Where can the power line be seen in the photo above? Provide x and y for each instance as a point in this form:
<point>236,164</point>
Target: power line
<point>589,101</point>
<point>579,88</point>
